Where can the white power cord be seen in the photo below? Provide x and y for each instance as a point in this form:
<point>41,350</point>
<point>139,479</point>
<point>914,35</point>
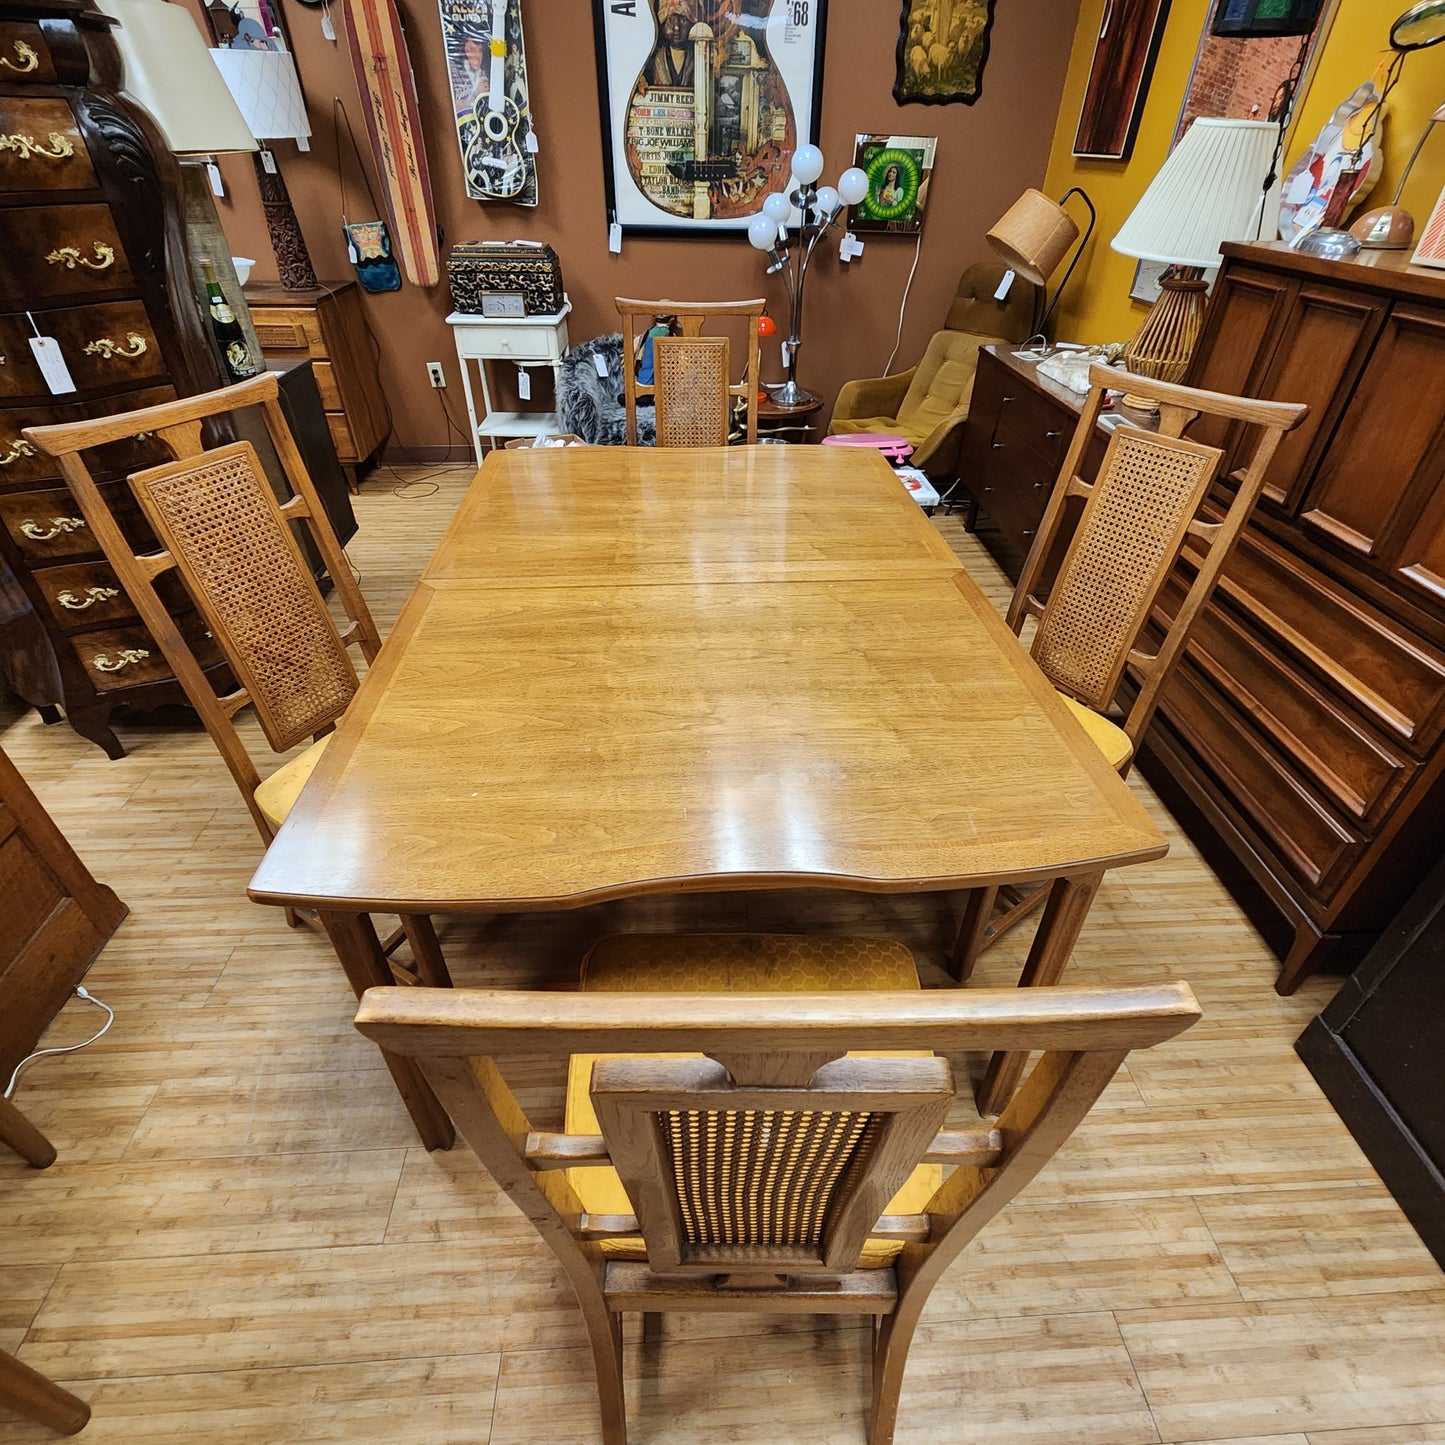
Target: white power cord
<point>70,1048</point>
<point>903,306</point>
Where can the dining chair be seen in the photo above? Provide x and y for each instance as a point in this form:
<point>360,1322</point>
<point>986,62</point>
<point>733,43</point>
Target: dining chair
<point>691,373</point>
<point>750,1126</point>
<point>1145,509</point>
<point>222,530</point>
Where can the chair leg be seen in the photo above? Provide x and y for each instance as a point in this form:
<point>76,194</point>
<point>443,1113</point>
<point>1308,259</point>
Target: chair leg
<point>28,1393</point>
<point>23,1137</point>
<point>971,934</point>
<point>431,966</point>
<point>604,1334</point>
<point>891,1340</point>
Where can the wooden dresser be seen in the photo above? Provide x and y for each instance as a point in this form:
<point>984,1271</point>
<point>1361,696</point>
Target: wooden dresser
<point>92,253</point>
<point>55,921</point>
<point>328,325</point>
<point>1301,738</point>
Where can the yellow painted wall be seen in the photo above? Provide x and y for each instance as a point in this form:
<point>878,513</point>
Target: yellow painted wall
<point>1097,305</point>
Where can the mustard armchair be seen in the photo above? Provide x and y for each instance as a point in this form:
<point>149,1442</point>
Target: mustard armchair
<point>929,402</point>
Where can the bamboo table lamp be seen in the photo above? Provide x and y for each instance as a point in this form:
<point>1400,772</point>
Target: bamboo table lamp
<point>1210,190</point>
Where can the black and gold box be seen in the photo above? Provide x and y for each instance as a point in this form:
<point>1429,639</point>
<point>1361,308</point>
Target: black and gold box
<point>505,279</point>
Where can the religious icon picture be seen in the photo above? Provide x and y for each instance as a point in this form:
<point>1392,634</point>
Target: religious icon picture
<point>704,103</point>
<point>898,168</point>
<point>942,49</point>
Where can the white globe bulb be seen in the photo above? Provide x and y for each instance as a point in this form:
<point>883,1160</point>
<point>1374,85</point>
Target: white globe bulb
<point>808,164</point>
<point>827,201</point>
<point>762,232</point>
<point>852,186</point>
<point>778,206</point>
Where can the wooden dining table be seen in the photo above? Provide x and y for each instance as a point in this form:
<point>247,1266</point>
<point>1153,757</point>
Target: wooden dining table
<point>630,671</point>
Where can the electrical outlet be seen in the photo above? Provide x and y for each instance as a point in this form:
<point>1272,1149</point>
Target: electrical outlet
<point>435,374</point>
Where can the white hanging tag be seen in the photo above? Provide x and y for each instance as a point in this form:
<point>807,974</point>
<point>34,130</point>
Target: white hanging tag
<point>327,28</point>
<point>787,354</point>
<point>213,174</point>
<point>352,254</point>
<point>268,162</point>
<point>52,364</point>
<point>303,143</point>
<point>524,383</point>
<point>530,144</point>
<point>1004,286</point>
<point>599,363</point>
<point>614,238</point>
<point>849,247</point>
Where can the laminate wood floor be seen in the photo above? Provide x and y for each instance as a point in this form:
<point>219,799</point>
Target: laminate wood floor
<point>242,1240</point>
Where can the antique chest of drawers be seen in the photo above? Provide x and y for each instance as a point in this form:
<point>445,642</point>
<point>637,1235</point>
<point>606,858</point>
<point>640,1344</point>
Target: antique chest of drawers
<point>92,254</point>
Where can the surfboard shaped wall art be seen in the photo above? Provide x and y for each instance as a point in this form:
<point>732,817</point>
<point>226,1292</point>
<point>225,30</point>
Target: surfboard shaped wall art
<point>704,103</point>
<point>393,124</point>
<point>487,66</point>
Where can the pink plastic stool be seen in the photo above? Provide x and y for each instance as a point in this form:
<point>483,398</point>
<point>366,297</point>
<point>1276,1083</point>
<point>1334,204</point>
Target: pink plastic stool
<point>894,448</point>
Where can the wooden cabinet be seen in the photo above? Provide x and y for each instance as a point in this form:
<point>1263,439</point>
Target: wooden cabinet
<point>328,325</point>
<point>92,247</point>
<point>56,918</point>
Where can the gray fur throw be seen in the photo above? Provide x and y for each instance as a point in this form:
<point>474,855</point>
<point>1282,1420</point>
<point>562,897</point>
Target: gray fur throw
<point>593,408</point>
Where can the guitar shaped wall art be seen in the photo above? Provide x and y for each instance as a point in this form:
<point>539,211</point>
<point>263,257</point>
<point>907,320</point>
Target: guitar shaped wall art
<point>487,67</point>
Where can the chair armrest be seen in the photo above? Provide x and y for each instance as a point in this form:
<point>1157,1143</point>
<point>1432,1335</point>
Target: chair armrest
<point>873,396</point>
<point>938,451</point>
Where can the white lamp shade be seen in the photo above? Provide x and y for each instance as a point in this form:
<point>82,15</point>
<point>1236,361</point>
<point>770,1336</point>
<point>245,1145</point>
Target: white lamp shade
<point>1210,190</point>
<point>169,71</point>
<point>266,88</point>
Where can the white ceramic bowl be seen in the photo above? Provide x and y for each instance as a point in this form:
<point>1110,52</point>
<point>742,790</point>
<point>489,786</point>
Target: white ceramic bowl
<point>243,266</point>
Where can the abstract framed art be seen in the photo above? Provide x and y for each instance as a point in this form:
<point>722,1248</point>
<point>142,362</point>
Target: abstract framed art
<point>1124,56</point>
<point>704,103</point>
<point>942,49</point>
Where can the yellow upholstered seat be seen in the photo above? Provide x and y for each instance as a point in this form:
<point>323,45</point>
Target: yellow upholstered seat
<point>734,963</point>
<point>277,794</point>
<point>1110,739</point>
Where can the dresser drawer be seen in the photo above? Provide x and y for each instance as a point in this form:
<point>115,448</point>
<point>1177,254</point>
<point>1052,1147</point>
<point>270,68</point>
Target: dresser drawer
<point>84,595</point>
<point>116,657</point>
<point>1038,422</point>
<point>1331,747</point>
<point>48,526</point>
<point>1017,487</point>
<point>341,435</point>
<point>106,345</point>
<point>30,893</point>
<point>21,462</point>
<point>41,148</point>
<point>24,55</point>
<point>1305,836</point>
<point>60,252</point>
<point>326,385</point>
<point>286,328</point>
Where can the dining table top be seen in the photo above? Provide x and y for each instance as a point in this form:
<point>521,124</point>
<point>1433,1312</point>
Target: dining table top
<point>699,680</point>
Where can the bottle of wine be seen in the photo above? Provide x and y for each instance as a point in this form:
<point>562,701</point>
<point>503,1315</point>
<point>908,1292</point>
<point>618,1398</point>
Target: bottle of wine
<point>232,340</point>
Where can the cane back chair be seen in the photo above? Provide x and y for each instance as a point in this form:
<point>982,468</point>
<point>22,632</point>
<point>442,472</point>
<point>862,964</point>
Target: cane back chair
<point>691,372</point>
<point>744,1154</point>
<point>222,530</point>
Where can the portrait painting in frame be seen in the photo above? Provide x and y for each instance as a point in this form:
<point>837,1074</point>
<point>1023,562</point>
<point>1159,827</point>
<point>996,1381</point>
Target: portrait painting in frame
<point>704,103</point>
<point>1124,54</point>
<point>899,168</point>
<point>942,50</point>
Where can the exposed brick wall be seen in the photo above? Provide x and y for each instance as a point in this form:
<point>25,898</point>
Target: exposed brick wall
<point>1234,76</point>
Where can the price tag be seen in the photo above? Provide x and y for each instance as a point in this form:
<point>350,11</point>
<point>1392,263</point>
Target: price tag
<point>599,362</point>
<point>302,143</point>
<point>530,144</point>
<point>524,383</point>
<point>268,162</point>
<point>787,355</point>
<point>52,364</point>
<point>213,174</point>
<point>1004,286</point>
<point>614,238</point>
<point>352,254</point>
<point>849,247</point>
<point>327,28</point>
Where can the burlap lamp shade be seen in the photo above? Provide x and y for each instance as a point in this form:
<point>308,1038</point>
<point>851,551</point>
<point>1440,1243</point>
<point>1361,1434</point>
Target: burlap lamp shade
<point>1033,236</point>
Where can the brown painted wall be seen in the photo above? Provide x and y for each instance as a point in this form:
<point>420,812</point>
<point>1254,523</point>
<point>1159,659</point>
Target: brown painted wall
<point>987,153</point>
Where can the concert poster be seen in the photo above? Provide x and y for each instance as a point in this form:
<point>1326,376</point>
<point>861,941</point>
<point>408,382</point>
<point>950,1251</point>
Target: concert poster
<point>704,103</point>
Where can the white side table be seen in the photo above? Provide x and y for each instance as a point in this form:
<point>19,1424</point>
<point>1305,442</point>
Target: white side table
<point>522,340</point>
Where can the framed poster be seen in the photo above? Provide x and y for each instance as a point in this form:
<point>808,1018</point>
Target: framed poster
<point>1124,56</point>
<point>942,50</point>
<point>704,103</point>
<point>898,168</point>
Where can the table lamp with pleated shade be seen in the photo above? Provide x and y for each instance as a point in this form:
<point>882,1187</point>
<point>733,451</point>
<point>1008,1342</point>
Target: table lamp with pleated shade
<point>1210,190</point>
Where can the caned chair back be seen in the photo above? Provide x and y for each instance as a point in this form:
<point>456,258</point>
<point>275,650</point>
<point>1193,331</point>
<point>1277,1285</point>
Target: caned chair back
<point>692,384</point>
<point>1142,510</point>
<point>691,380</point>
<point>757,1171</point>
<point>221,528</point>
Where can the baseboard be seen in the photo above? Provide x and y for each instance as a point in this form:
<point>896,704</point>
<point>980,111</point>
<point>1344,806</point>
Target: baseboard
<point>455,455</point>
<point>1388,1143</point>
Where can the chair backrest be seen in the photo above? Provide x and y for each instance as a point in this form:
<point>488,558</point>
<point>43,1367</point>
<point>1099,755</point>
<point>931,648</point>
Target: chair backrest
<point>222,529</point>
<point>976,305</point>
<point>1141,511</point>
<point>691,381</point>
<point>691,316</point>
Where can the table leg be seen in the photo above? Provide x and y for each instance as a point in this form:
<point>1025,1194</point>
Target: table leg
<point>30,1395</point>
<point>354,938</point>
<point>465,366</point>
<point>1064,914</point>
<point>23,1137</point>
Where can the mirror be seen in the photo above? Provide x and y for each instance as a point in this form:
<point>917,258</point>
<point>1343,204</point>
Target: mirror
<point>1420,26</point>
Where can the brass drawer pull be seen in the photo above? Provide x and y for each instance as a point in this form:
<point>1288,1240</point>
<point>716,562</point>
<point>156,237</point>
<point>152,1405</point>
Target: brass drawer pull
<point>38,532</point>
<point>103,662</point>
<point>92,596</point>
<point>18,449</point>
<point>25,146</point>
<point>104,347</point>
<point>28,61</point>
<point>70,257</point>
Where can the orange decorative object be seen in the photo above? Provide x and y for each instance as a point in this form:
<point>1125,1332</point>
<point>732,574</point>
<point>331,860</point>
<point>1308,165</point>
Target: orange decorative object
<point>767,326</point>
